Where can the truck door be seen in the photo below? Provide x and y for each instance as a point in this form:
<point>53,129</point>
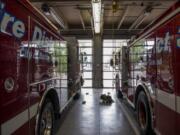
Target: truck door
<point>176,69</point>
<point>42,67</point>
<point>13,69</point>
<point>137,69</point>
<point>165,90</point>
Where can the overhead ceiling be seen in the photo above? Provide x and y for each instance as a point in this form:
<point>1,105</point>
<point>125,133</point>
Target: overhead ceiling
<point>131,16</point>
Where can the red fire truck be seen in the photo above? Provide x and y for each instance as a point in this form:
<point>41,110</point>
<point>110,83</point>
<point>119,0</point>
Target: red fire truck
<point>149,75</point>
<point>30,70</point>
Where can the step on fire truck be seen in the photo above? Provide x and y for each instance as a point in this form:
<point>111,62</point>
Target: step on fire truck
<point>33,71</point>
<point>149,74</point>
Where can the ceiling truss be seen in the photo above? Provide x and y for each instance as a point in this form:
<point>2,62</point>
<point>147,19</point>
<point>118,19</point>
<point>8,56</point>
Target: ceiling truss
<point>129,19</point>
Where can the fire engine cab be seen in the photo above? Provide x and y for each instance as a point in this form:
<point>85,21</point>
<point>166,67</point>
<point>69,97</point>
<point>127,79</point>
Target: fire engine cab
<point>31,72</point>
<point>148,75</point>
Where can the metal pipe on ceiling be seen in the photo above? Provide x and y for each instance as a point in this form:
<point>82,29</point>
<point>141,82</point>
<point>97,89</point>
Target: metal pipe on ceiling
<point>141,18</point>
<point>137,25</point>
<point>123,17</point>
<point>105,1</point>
<point>82,20</point>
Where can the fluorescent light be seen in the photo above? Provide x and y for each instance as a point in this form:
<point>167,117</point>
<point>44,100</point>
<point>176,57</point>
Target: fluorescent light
<point>97,11</point>
<point>48,11</point>
<point>97,27</point>
<point>57,18</point>
<point>96,7</point>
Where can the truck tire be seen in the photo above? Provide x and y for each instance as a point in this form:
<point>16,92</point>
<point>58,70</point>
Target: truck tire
<point>77,96</point>
<point>118,92</point>
<point>143,114</point>
<point>46,119</point>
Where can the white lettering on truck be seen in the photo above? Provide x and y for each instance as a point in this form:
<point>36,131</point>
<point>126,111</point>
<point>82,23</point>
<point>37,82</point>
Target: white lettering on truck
<point>40,35</point>
<point>18,29</point>
<point>10,25</point>
<point>37,35</point>
<point>163,43</point>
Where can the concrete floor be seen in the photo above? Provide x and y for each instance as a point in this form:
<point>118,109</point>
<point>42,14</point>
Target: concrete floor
<point>93,118</point>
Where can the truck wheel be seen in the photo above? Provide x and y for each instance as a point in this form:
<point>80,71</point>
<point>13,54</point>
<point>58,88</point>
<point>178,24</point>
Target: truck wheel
<point>143,114</point>
<point>46,119</point>
<point>77,96</point>
<point>118,92</point>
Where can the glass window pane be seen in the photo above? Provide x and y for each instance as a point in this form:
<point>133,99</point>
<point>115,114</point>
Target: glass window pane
<point>87,83</point>
<point>109,48</point>
<point>87,75</point>
<point>88,50</point>
<point>64,83</point>
<point>108,75</point>
<point>106,59</point>
<point>85,57</point>
<point>108,83</point>
<point>107,68</point>
<point>108,51</point>
<point>85,43</point>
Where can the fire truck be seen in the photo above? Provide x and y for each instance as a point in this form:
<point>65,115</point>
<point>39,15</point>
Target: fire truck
<point>149,76</point>
<point>33,71</point>
<point>75,78</point>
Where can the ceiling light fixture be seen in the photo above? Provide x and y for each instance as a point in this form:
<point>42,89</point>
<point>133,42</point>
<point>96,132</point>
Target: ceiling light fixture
<point>96,9</point>
<point>48,11</point>
<point>114,6</point>
<point>45,8</point>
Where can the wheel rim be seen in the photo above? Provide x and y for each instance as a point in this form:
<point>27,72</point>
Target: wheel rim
<point>46,122</point>
<point>142,115</point>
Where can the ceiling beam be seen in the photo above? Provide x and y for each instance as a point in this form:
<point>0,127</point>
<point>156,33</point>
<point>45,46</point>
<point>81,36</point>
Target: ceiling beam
<point>86,4</point>
<point>104,1</point>
<point>140,18</point>
<point>82,20</point>
<point>137,25</point>
<point>123,17</point>
<point>107,33</point>
<point>149,24</point>
<point>91,19</point>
